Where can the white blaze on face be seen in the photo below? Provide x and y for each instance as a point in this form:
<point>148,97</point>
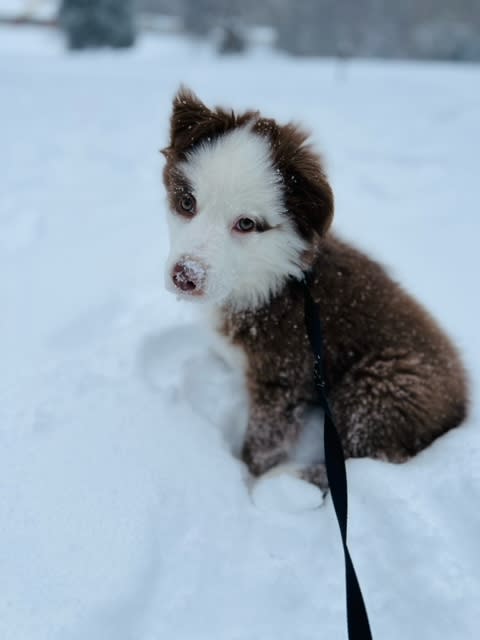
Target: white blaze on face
<point>233,177</point>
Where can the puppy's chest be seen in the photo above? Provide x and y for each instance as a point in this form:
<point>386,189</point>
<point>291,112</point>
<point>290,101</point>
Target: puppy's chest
<point>270,346</point>
<point>223,342</point>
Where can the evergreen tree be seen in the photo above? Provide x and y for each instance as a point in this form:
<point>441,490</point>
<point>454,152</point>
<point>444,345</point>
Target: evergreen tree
<point>97,23</point>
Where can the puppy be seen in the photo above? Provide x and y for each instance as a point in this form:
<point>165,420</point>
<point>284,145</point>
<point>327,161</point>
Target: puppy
<point>251,209</point>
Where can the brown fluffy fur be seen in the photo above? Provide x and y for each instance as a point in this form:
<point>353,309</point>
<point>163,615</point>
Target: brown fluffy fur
<point>395,380</point>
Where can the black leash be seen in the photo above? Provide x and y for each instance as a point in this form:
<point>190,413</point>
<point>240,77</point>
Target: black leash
<point>357,618</point>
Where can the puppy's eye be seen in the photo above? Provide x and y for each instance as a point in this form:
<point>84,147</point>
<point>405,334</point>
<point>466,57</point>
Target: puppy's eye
<point>245,225</point>
<point>187,203</point>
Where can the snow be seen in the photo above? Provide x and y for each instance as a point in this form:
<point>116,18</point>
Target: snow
<point>123,512</point>
<point>42,9</point>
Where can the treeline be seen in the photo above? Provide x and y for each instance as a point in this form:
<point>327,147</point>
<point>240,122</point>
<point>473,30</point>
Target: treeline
<point>436,29</point>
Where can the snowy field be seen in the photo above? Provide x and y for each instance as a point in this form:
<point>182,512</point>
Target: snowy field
<point>123,513</point>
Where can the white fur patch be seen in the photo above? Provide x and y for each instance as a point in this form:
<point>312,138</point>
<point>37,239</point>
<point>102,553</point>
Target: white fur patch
<point>233,177</point>
<point>233,355</point>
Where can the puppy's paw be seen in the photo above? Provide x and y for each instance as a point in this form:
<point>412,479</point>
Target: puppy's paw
<point>258,461</point>
<point>282,489</point>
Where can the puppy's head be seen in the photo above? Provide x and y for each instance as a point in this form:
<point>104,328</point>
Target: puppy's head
<point>248,200</point>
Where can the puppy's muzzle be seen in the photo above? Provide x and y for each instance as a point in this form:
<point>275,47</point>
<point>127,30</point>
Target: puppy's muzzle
<point>189,276</point>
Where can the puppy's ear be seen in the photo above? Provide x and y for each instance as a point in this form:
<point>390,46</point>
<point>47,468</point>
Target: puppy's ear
<point>188,115</point>
<point>311,194</point>
<point>192,122</point>
<point>308,195</point>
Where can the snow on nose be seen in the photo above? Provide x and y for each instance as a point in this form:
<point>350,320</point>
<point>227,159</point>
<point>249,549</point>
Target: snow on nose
<point>189,276</point>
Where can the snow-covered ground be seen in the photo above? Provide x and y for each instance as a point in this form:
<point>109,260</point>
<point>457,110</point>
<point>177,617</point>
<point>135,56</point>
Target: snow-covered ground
<point>123,513</point>
<point>43,9</point>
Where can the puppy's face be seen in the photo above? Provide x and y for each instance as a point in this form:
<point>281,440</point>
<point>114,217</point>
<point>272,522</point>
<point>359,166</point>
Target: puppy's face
<point>239,207</point>
<point>230,238</point>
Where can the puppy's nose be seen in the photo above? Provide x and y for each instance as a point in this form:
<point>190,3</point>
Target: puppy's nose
<point>189,276</point>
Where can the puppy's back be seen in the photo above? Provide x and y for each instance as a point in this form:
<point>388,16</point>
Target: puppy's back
<point>378,337</point>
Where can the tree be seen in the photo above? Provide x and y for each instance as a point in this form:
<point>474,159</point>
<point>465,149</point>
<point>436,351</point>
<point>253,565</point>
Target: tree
<point>98,23</point>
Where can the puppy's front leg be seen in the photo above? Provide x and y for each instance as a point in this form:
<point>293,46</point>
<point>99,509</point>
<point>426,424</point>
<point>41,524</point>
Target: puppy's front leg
<point>273,427</point>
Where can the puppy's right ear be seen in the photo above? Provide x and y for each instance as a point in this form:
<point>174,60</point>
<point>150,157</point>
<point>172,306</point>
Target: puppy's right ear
<point>192,121</point>
<point>187,112</point>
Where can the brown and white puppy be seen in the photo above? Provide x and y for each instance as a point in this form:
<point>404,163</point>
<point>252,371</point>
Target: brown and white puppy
<point>250,211</point>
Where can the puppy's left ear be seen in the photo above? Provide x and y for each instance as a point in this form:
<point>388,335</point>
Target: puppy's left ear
<point>311,193</point>
<point>308,195</point>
